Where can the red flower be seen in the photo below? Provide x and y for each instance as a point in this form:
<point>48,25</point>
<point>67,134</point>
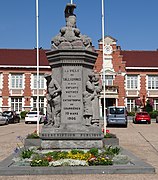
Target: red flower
<point>107,131</point>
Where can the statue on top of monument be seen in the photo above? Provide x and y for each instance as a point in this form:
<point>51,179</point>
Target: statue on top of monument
<point>54,101</point>
<point>70,36</point>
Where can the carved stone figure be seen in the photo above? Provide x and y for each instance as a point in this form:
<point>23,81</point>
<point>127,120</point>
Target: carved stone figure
<point>54,101</point>
<point>97,90</point>
<point>70,36</point>
<point>94,87</point>
<point>87,106</point>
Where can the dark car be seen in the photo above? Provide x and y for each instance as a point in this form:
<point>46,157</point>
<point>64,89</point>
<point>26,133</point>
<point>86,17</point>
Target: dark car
<point>12,116</point>
<point>142,117</point>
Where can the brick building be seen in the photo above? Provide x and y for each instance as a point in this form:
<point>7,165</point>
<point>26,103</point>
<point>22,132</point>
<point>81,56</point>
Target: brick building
<point>131,77</point>
<point>18,79</point>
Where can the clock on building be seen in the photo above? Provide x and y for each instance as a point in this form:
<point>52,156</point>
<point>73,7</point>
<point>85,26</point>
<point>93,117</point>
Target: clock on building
<point>108,49</point>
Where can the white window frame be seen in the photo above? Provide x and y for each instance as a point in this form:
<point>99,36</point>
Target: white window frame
<point>155,104</point>
<point>132,82</point>
<point>130,104</point>
<point>16,104</point>
<point>109,81</point>
<point>18,81</point>
<point>41,81</point>
<point>41,102</point>
<point>152,82</point>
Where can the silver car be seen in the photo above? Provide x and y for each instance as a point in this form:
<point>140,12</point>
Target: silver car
<point>3,119</point>
<point>117,115</point>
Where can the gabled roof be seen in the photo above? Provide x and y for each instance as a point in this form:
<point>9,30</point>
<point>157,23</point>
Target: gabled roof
<point>140,58</point>
<point>22,57</point>
<point>110,37</point>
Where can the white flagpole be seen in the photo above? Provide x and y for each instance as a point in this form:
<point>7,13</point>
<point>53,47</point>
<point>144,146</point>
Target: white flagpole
<point>103,67</point>
<point>37,56</point>
<point>71,1</point>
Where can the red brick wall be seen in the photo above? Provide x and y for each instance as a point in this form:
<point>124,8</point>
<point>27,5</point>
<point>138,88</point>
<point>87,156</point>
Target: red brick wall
<point>5,89</point>
<point>27,89</point>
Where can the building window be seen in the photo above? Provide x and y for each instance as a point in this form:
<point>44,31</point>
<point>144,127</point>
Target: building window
<point>155,104</point>
<point>16,81</point>
<point>132,82</point>
<point>41,81</point>
<point>41,103</point>
<point>16,104</point>
<point>153,82</point>
<point>108,80</point>
<point>130,104</point>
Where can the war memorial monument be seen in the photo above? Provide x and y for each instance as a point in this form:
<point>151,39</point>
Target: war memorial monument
<point>72,90</point>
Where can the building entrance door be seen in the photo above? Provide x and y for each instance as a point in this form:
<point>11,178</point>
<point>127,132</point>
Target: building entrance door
<point>108,102</point>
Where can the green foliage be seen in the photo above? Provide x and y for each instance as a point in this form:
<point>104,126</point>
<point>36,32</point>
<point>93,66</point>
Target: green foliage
<point>23,114</point>
<point>112,151</point>
<point>33,135</point>
<point>26,153</point>
<point>75,151</point>
<point>148,108</point>
<point>109,135</point>
<point>132,113</point>
<point>100,161</point>
<point>153,114</point>
<point>58,154</point>
<point>94,151</point>
<point>39,162</point>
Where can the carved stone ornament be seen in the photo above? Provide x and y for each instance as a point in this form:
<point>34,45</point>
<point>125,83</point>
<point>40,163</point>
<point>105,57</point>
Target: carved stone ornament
<point>70,36</point>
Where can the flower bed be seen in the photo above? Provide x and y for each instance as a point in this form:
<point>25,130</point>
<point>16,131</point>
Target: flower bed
<point>93,157</point>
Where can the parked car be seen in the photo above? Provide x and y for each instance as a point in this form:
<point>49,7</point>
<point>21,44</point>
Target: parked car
<point>142,117</point>
<point>3,119</point>
<point>12,116</point>
<point>32,117</point>
<point>117,115</point>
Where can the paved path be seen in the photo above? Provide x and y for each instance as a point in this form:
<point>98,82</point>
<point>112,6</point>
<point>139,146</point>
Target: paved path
<point>141,139</point>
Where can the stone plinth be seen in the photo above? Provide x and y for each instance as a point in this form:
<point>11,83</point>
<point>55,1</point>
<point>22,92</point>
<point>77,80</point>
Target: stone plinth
<point>71,144</point>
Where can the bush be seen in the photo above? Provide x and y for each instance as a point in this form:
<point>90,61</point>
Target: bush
<point>33,135</point>
<point>39,162</point>
<point>148,108</point>
<point>23,114</point>
<point>109,135</point>
<point>131,113</point>
<point>94,151</point>
<point>153,114</point>
<point>26,153</point>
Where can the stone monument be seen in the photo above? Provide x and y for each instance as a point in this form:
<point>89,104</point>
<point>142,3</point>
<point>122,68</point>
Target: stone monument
<point>72,91</point>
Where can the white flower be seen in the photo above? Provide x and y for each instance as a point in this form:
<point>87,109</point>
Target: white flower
<point>68,162</point>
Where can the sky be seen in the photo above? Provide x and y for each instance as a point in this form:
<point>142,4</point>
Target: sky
<point>134,23</point>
